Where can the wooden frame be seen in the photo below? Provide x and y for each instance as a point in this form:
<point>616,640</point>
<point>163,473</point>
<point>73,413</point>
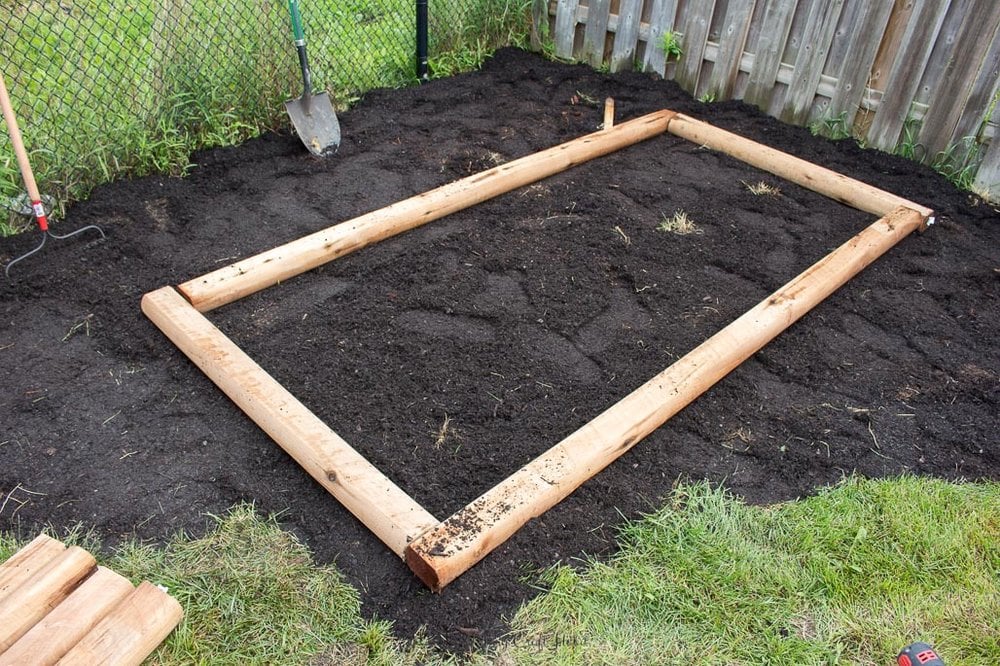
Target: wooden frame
<point>440,551</point>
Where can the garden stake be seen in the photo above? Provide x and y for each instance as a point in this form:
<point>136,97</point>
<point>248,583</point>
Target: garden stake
<point>29,180</point>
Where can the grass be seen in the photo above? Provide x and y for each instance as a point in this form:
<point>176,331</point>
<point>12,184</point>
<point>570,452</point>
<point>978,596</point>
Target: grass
<point>679,223</point>
<point>832,128</point>
<point>762,189</point>
<point>252,595</point>
<point>108,89</point>
<point>848,576</point>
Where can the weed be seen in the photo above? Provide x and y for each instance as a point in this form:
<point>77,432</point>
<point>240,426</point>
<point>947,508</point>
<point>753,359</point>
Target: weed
<point>908,146</point>
<point>443,432</point>
<point>621,232</point>
<point>761,188</point>
<point>832,128</point>
<point>671,45</point>
<point>679,224</point>
<point>707,98</point>
<point>959,162</point>
<point>584,98</point>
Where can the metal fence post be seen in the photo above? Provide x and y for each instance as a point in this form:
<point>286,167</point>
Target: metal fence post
<point>422,70</point>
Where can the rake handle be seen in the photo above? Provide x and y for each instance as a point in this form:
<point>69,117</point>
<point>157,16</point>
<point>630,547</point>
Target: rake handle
<point>22,156</point>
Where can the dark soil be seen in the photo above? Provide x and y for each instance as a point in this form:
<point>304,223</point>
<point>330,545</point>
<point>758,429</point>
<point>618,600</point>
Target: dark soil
<point>514,322</point>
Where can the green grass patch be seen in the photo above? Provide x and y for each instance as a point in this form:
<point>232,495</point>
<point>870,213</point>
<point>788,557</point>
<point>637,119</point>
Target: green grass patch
<point>252,594</point>
<point>849,576</point>
<point>846,577</point>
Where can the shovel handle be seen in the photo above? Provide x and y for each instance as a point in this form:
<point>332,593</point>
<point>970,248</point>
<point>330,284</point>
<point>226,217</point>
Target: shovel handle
<point>22,157</point>
<point>300,46</point>
<point>300,35</point>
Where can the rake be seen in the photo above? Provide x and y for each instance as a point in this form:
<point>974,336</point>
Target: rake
<point>37,208</point>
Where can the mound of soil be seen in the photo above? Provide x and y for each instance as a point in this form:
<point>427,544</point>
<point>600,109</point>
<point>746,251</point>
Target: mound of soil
<point>453,354</point>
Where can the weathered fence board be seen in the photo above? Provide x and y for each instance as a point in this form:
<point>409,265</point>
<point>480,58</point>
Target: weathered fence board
<point>899,20</point>
<point>565,31</point>
<point>904,77</point>
<point>874,66</point>
<point>975,38</point>
<point>696,23</point>
<point>988,176</point>
<point>770,48</point>
<point>816,41</point>
<point>623,53</point>
<point>857,60</point>
<point>661,22</point>
<point>595,36</point>
<point>731,43</point>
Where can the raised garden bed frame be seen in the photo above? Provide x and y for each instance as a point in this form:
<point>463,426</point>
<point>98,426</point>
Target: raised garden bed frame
<point>439,551</point>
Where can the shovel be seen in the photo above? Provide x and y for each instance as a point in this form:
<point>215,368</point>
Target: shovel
<point>312,115</point>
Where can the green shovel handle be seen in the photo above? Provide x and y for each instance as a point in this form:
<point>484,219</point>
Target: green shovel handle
<point>300,35</point>
<point>300,46</point>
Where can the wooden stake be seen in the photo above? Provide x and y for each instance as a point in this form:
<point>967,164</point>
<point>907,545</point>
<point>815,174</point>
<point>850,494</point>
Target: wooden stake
<point>34,598</point>
<point>445,552</point>
<point>376,501</point>
<point>281,263</point>
<point>609,113</point>
<point>811,176</point>
<point>23,564</point>
<point>68,622</point>
<point>130,632</point>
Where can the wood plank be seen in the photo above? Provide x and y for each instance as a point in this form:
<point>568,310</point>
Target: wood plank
<point>988,176</point>
<point>888,50</point>
<point>661,22</point>
<point>861,46</point>
<point>596,33</point>
<point>777,23</point>
<point>35,597</point>
<point>987,182</point>
<point>943,48</point>
<point>904,76</point>
<point>130,632</point>
<point>53,636</point>
<point>731,43</point>
<point>450,549</point>
<point>972,121</point>
<point>281,263</point>
<point>541,30</point>
<point>811,176</point>
<point>367,493</point>
<point>811,58</point>
<point>626,37</point>
<point>695,29</point>
<point>565,32</point>
<point>975,39</point>
<point>26,562</point>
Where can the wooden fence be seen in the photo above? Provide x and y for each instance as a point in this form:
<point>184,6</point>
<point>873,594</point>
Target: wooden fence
<point>919,76</point>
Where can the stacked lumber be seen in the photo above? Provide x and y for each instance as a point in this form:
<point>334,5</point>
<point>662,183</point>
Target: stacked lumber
<point>58,607</point>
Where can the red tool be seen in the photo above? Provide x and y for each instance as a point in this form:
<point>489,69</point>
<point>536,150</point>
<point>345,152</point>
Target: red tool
<point>918,654</point>
<point>29,179</point>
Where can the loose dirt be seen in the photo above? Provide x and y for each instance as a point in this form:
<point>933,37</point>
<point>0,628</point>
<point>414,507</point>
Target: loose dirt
<point>453,354</point>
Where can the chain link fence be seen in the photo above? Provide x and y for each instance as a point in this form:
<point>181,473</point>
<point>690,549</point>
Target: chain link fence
<point>107,88</point>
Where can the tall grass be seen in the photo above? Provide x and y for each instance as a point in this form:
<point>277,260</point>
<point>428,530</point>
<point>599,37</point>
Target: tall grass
<point>129,87</point>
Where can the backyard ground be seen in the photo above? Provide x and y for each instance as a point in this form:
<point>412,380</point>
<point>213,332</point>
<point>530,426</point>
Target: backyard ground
<point>453,354</point>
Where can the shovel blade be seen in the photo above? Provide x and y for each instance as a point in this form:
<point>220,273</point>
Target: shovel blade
<point>315,122</point>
